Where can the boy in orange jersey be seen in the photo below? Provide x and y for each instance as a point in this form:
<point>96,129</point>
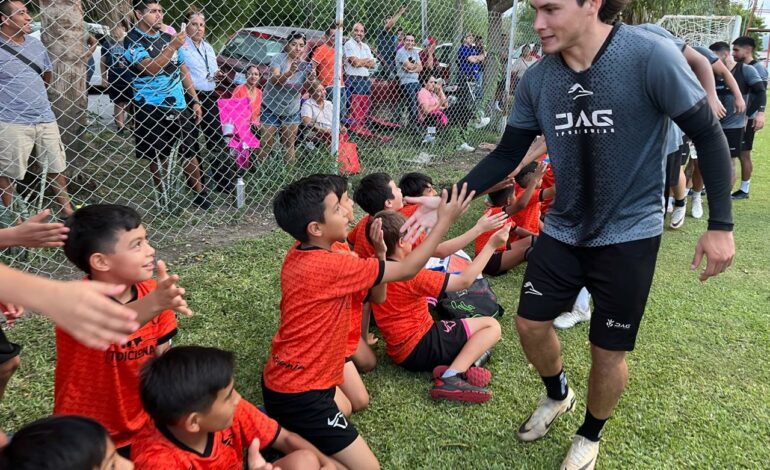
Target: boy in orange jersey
<point>109,243</point>
<point>528,189</point>
<point>416,342</point>
<point>415,185</point>
<point>201,422</point>
<point>515,251</point>
<point>306,360</point>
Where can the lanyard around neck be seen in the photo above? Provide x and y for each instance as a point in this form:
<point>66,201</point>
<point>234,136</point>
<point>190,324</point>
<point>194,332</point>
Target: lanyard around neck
<point>204,55</point>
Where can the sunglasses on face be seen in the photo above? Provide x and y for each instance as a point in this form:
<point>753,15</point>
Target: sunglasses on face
<point>296,35</point>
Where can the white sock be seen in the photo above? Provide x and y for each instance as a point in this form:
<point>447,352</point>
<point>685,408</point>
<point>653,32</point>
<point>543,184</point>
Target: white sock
<point>696,194</point>
<point>582,299</point>
<point>745,185</point>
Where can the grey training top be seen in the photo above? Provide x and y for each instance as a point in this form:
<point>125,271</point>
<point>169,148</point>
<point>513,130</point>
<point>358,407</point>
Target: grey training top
<point>746,76</point>
<point>707,53</point>
<point>762,71</point>
<point>23,99</point>
<point>403,56</point>
<point>606,129</point>
<point>284,99</point>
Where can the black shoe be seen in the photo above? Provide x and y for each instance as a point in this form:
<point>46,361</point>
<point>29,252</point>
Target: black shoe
<point>202,200</point>
<point>740,195</point>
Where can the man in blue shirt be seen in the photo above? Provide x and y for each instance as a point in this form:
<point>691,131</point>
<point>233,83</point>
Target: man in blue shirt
<point>160,81</point>
<point>743,52</point>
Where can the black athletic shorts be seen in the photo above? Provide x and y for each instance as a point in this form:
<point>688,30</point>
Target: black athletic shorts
<point>158,130</point>
<point>120,92</point>
<point>748,136</point>
<point>734,138</point>
<point>493,265</point>
<point>618,276</point>
<point>674,162</point>
<point>313,415</point>
<point>8,350</point>
<point>439,347</point>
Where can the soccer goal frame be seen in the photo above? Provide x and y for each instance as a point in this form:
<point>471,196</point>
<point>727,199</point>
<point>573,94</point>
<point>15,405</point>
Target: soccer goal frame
<point>702,30</point>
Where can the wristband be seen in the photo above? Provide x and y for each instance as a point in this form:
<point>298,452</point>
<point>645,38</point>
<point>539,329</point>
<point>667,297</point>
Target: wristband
<point>194,102</point>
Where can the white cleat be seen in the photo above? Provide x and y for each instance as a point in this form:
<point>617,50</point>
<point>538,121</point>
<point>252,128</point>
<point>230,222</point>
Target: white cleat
<point>569,319</point>
<point>582,455</point>
<point>697,208</point>
<point>539,422</point>
<point>677,217</point>
<point>464,147</point>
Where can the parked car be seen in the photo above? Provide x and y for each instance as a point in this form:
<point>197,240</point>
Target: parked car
<point>256,46</point>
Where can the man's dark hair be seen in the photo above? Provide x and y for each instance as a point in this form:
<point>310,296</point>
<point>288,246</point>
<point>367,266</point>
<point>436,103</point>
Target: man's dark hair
<point>610,9</point>
<point>141,5</point>
<point>500,197</point>
<point>391,229</point>
<point>745,41</point>
<point>720,46</point>
<point>522,176</point>
<point>96,229</point>
<point>409,34</point>
<point>413,184</point>
<point>5,7</point>
<point>372,192</point>
<point>56,443</point>
<point>185,379</point>
<point>300,203</point>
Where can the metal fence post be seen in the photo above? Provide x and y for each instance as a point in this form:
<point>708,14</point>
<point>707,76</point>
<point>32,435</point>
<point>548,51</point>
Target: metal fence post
<point>337,75</point>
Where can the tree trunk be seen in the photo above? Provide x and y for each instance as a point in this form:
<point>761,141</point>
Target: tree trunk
<point>108,12</point>
<point>495,46</point>
<point>64,37</point>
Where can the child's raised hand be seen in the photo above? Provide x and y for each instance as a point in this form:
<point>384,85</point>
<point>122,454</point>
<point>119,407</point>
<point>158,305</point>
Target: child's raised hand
<point>501,236</point>
<point>11,312</point>
<point>489,221</point>
<point>451,208</point>
<point>377,238</point>
<point>169,295</point>
<point>508,182</point>
<point>542,167</point>
<point>424,217</point>
<point>255,459</point>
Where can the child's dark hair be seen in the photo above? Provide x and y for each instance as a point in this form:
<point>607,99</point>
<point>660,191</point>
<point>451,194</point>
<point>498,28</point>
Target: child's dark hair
<point>57,443</point>
<point>95,229</point>
<point>391,229</point>
<point>372,192</point>
<point>339,183</point>
<point>184,380</point>
<point>500,197</point>
<point>413,184</point>
<point>521,177</point>
<point>300,203</point>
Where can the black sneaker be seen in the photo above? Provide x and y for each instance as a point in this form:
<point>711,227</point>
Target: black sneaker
<point>202,200</point>
<point>740,195</point>
<point>456,389</point>
<point>482,361</point>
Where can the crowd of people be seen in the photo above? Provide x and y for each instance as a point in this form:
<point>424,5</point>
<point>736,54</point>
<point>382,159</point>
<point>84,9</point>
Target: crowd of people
<point>151,405</point>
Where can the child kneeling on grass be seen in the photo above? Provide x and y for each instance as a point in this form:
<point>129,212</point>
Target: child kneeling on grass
<point>307,355</point>
<point>202,422</point>
<point>109,243</point>
<point>415,341</point>
<point>62,443</point>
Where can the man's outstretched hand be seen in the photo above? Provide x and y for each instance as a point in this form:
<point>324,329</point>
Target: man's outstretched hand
<point>719,248</point>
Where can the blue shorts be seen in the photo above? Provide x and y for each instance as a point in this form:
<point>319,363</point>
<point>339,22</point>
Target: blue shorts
<point>358,85</point>
<point>268,118</point>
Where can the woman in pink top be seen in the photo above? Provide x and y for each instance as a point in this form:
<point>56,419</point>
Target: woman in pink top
<point>249,90</point>
<point>431,102</point>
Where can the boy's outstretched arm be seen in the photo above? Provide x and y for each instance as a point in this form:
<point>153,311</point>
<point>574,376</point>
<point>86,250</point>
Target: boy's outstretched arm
<point>465,279</point>
<point>485,223</point>
<point>83,309</point>
<point>166,296</point>
<point>448,211</point>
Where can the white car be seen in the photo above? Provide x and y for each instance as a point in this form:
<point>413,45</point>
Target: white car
<point>93,28</point>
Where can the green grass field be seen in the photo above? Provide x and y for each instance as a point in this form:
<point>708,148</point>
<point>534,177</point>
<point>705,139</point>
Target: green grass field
<point>699,378</point>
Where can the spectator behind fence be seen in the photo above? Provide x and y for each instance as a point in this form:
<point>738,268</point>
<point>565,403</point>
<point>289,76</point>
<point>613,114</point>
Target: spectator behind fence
<point>323,58</point>
<point>387,43</point>
<point>469,59</point>
<point>526,60</point>
<point>408,67</point>
<point>160,80</point>
<point>317,113</point>
<point>428,58</point>
<point>201,60</point>
<point>116,77</point>
<point>251,90</point>
<point>282,95</point>
<point>27,121</point>
<point>431,103</point>
<point>358,63</point>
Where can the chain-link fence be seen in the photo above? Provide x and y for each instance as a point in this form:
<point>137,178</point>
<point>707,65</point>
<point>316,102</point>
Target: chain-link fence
<point>201,131</point>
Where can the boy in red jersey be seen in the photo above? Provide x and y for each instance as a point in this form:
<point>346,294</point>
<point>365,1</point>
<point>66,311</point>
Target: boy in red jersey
<point>306,360</point>
<point>416,342</point>
<point>201,422</point>
<point>528,189</point>
<point>109,243</point>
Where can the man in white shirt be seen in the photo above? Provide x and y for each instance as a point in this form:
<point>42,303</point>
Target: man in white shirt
<point>358,63</point>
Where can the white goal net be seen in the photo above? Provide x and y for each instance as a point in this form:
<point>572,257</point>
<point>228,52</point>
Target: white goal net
<point>702,30</point>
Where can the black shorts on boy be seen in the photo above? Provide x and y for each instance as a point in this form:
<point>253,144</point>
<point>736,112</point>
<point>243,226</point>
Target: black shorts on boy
<point>439,346</point>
